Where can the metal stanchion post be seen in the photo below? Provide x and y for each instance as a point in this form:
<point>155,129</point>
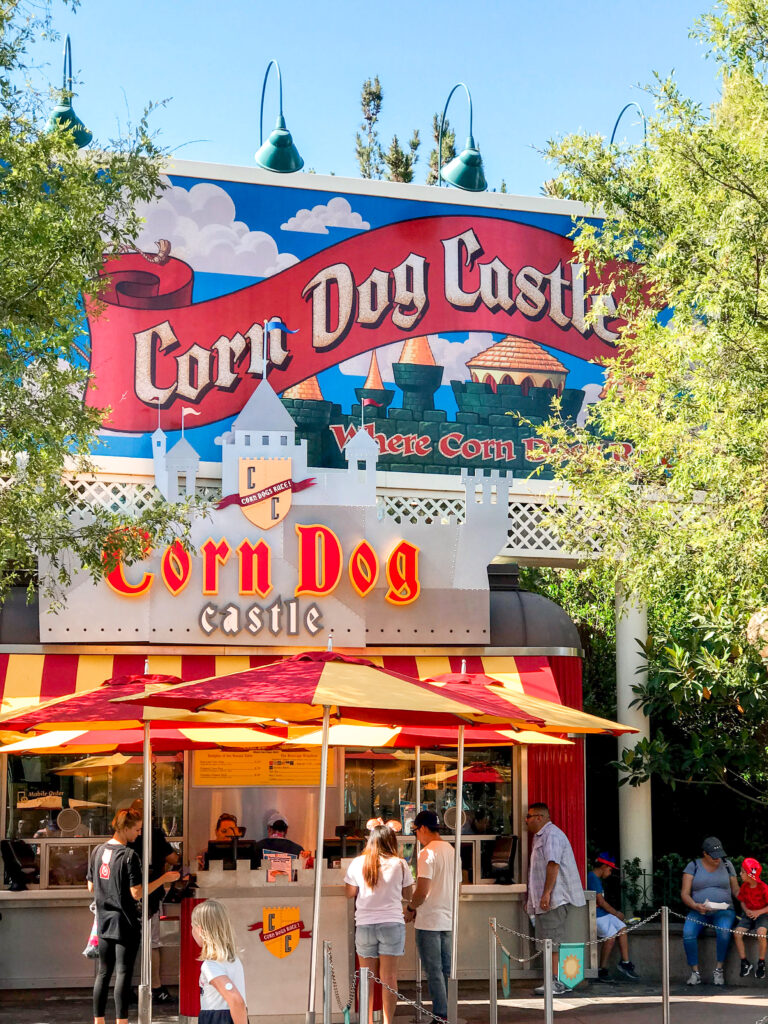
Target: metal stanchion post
<point>549,1010</point>
<point>417,774</point>
<point>665,965</point>
<point>362,1014</point>
<point>493,971</point>
<point>327,982</point>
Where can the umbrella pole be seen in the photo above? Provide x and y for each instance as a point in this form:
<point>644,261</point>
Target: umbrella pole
<point>314,941</point>
<point>145,986</point>
<point>453,981</point>
<point>419,980</point>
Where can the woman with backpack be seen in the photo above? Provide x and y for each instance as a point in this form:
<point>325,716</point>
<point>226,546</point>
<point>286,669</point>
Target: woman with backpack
<point>709,885</point>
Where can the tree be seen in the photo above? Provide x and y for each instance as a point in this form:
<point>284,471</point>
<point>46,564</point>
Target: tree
<point>60,212</point>
<point>448,147</point>
<point>394,165</point>
<point>682,519</point>
<point>400,164</point>
<point>367,146</point>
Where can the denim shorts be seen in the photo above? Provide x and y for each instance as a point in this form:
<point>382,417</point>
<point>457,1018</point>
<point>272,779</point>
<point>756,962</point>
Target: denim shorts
<point>372,940</point>
<point>750,924</point>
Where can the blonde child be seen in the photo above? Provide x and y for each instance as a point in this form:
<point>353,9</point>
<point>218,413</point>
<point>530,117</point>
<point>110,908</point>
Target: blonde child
<point>222,981</point>
<point>753,896</point>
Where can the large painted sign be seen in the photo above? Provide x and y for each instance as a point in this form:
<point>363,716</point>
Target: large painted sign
<point>442,329</point>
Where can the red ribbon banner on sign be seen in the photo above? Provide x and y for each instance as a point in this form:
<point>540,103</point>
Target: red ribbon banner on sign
<point>151,346</point>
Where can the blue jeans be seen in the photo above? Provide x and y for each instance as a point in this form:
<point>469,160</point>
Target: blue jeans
<point>435,955</point>
<point>721,919</point>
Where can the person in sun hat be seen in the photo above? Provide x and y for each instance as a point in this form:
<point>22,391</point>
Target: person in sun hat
<point>753,896</point>
<point>709,886</point>
<point>610,922</point>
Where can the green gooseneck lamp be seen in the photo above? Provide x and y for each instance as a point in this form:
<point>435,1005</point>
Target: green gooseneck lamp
<point>278,153</point>
<point>63,115</point>
<point>623,111</point>
<point>465,171</point>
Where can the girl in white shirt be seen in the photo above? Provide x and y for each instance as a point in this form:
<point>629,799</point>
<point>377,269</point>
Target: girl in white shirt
<point>222,981</point>
<point>380,880</point>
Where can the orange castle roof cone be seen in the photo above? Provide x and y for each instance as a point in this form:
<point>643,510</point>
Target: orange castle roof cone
<point>308,389</point>
<point>417,350</point>
<point>373,380</point>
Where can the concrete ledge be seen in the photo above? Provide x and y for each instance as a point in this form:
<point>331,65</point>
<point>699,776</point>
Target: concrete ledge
<point>645,953</point>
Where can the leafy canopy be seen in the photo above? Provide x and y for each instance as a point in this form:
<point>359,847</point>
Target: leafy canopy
<point>60,212</point>
<point>683,520</point>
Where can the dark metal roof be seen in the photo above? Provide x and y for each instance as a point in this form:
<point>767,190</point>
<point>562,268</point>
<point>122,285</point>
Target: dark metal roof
<point>520,618</point>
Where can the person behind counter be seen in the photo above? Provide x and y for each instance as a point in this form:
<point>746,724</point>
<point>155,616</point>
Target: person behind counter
<point>114,878</point>
<point>276,840</point>
<point>161,855</point>
<point>225,831</point>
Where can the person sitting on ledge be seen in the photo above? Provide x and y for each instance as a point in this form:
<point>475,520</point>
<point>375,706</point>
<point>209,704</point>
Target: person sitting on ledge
<point>610,922</point>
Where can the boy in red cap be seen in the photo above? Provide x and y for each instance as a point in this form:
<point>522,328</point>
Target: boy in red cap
<point>753,896</point>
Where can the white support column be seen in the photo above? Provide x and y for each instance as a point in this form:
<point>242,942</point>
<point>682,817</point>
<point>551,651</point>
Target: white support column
<point>635,833</point>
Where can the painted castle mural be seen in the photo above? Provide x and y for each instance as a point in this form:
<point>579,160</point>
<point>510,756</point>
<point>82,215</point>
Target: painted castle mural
<point>440,330</point>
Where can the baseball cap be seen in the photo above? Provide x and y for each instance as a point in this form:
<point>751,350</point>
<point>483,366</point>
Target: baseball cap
<point>275,818</point>
<point>752,867</point>
<point>713,847</point>
<point>427,819</point>
<point>606,858</point>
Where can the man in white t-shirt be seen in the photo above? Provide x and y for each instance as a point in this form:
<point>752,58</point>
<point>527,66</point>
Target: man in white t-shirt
<point>430,906</point>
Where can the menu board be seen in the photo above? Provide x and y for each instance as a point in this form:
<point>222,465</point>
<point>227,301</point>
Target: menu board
<point>259,768</point>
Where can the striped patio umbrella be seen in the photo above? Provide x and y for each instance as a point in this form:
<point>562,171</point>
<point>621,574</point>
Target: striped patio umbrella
<point>95,709</point>
<point>355,691</point>
<point>557,718</point>
<point>164,739</point>
<point>369,736</point>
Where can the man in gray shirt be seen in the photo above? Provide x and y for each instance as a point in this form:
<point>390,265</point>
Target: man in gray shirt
<point>554,884</point>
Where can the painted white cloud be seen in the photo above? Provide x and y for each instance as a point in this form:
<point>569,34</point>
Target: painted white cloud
<point>591,397</point>
<point>336,214</point>
<point>451,355</point>
<point>200,224</point>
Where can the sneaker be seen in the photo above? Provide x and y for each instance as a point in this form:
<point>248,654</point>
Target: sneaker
<point>760,971</point>
<point>558,988</point>
<point>602,974</point>
<point>162,995</point>
<point>746,969</point>
<point>695,978</point>
<point>718,976</point>
<point>627,968</point>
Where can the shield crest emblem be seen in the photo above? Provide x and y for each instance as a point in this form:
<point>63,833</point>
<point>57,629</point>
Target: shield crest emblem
<point>281,930</point>
<point>265,491</point>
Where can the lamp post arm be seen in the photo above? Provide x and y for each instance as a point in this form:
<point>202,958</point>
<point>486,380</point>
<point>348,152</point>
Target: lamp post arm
<point>67,62</point>
<point>263,90</point>
<point>623,111</point>
<point>459,85</point>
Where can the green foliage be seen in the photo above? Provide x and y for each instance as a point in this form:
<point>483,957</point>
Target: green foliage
<point>394,165</point>
<point>448,147</point>
<point>367,147</point>
<point>583,596</point>
<point>400,164</point>
<point>681,521</point>
<point>60,212</point>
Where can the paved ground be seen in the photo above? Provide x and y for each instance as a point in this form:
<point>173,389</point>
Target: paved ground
<point>591,1004</point>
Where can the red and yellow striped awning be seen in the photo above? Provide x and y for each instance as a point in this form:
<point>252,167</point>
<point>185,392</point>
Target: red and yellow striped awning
<point>33,678</point>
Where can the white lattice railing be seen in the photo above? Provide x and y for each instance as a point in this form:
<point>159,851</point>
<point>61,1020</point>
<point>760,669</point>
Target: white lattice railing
<point>530,536</point>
